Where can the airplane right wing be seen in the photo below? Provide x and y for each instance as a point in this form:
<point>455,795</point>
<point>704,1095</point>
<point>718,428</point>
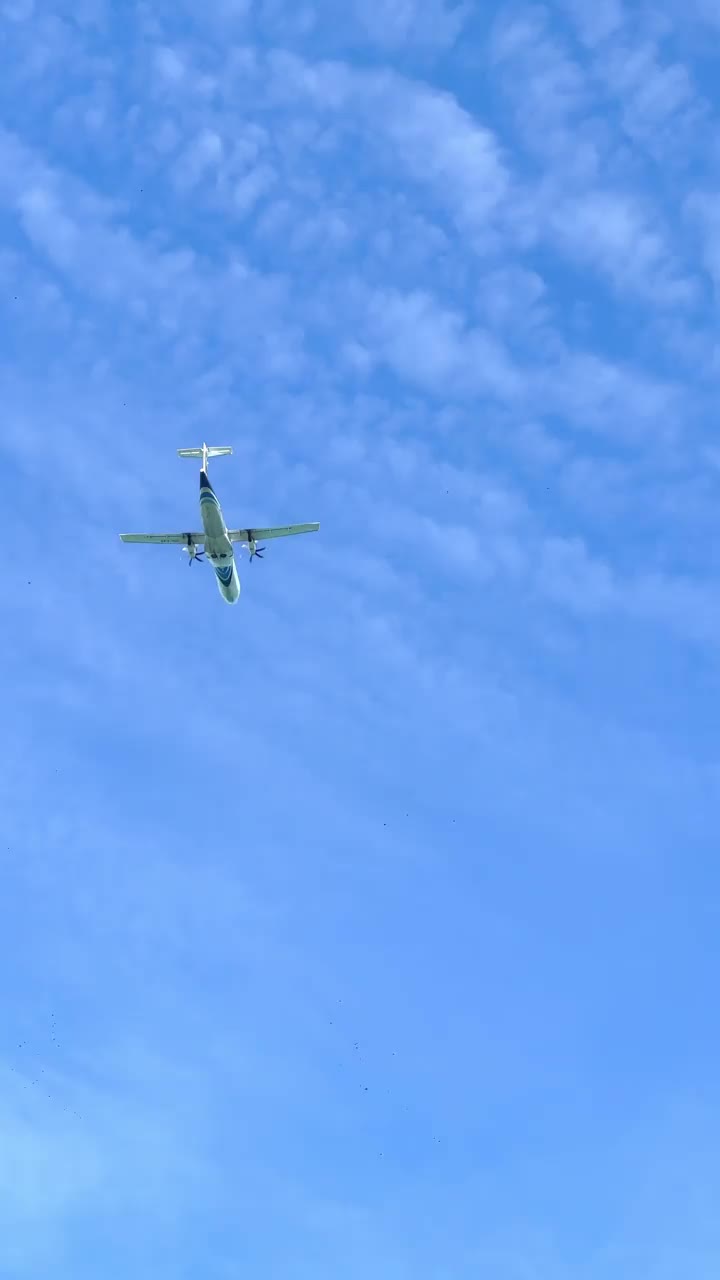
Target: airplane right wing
<point>281,531</point>
<point>185,538</point>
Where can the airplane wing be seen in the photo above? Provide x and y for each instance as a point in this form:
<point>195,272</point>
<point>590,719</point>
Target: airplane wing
<point>163,537</point>
<point>282,531</point>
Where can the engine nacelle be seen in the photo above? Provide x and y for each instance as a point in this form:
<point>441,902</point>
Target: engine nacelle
<point>192,552</point>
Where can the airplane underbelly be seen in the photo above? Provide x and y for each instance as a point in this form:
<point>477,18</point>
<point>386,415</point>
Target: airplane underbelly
<point>210,510</point>
<point>218,547</point>
<point>212,518</point>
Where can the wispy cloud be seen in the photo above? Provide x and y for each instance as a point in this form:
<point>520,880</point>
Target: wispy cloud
<point>611,229</point>
<point>438,144</point>
<point>588,201</point>
<point>399,25</point>
<point>432,346</point>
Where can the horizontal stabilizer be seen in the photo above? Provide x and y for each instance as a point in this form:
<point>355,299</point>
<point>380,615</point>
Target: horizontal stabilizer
<point>208,451</point>
<point>259,535</point>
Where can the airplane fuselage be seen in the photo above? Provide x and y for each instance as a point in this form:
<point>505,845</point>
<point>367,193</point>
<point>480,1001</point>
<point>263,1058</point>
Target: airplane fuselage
<point>218,547</point>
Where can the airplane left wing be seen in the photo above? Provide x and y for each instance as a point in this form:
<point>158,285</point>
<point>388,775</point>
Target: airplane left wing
<point>281,531</point>
<point>185,538</point>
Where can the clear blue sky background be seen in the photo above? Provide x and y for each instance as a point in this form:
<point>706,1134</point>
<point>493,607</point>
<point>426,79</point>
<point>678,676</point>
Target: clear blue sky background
<point>370,928</point>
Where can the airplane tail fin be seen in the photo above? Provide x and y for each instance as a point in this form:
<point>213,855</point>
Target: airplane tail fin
<point>207,451</point>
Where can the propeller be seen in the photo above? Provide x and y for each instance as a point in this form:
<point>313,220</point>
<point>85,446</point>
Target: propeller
<point>192,551</point>
<point>255,551</point>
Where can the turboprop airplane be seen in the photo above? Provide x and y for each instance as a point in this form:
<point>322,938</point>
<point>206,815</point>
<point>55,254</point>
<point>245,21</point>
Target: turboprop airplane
<point>216,539</point>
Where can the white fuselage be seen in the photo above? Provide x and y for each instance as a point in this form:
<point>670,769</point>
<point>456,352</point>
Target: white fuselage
<point>218,547</point>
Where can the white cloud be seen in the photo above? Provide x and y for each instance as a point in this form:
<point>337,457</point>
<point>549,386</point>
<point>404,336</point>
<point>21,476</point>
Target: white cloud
<point>513,299</point>
<point>570,576</point>
<point>438,144</point>
<point>423,28</point>
<point>432,346</point>
<point>611,229</point>
<point>76,1150</point>
<point>549,89</point>
<point>201,158</point>
<point>252,187</point>
<point>598,21</point>
<point>589,200</point>
<point>170,65</point>
<point>433,24</point>
<point>18,10</point>
<point>615,399</point>
<point>703,211</point>
<point>442,146</point>
<point>654,94</point>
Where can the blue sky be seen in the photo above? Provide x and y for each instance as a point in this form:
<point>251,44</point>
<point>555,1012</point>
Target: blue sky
<point>369,928</point>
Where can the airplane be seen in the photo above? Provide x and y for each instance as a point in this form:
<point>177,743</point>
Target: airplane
<point>216,539</point>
